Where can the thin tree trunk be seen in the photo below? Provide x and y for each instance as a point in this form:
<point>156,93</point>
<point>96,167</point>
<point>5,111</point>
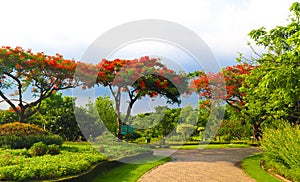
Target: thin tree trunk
<point>257,134</point>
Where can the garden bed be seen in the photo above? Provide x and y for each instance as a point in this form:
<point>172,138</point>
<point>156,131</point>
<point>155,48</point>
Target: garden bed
<point>75,160</point>
<point>18,165</point>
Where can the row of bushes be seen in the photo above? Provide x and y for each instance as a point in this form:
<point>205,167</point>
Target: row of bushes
<point>282,150</point>
<point>19,142</point>
<point>18,135</point>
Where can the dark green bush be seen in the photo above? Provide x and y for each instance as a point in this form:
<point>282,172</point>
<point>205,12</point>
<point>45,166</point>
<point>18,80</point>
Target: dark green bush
<point>38,149</point>
<point>282,150</point>
<point>53,149</point>
<point>18,142</point>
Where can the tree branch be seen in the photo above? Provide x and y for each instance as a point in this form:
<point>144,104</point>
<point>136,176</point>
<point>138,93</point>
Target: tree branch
<point>19,86</point>
<point>9,102</point>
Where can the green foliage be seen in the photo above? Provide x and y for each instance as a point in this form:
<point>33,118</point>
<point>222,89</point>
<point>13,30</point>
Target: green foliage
<point>26,141</point>
<point>7,116</point>
<point>20,129</point>
<point>53,149</point>
<point>233,127</point>
<point>282,150</point>
<point>57,115</point>
<point>106,111</point>
<point>15,165</point>
<point>89,123</point>
<point>167,121</point>
<point>38,149</point>
<point>118,150</point>
<point>276,95</point>
<point>185,129</point>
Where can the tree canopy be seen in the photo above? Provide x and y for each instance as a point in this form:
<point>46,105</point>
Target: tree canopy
<point>139,78</point>
<point>37,73</point>
<point>273,88</point>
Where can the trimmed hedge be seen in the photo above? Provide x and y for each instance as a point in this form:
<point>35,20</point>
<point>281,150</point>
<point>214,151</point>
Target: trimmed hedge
<point>19,142</point>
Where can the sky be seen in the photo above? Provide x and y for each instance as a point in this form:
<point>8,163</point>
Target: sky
<point>69,27</point>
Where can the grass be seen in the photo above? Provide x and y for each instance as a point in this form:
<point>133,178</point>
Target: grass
<point>251,166</point>
<point>209,146</point>
<point>131,172</point>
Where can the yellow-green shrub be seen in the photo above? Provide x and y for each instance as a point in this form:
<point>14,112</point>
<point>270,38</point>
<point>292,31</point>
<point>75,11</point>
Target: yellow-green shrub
<point>282,150</point>
<point>20,129</point>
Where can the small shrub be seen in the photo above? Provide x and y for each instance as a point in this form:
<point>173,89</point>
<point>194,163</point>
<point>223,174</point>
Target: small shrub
<point>38,149</point>
<point>52,139</point>
<point>53,149</point>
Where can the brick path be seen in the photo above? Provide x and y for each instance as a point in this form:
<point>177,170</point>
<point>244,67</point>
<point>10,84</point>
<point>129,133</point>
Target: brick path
<point>201,165</point>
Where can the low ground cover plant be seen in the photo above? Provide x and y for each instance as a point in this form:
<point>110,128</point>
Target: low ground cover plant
<point>20,165</point>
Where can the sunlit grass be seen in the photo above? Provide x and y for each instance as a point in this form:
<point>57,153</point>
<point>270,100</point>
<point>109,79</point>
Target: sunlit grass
<point>251,166</point>
<point>131,172</point>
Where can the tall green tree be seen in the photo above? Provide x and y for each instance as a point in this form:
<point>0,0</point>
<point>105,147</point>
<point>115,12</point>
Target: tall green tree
<point>107,114</point>
<point>56,114</point>
<point>272,89</point>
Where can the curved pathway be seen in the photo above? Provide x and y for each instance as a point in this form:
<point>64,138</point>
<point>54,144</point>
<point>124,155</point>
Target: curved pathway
<point>201,165</point>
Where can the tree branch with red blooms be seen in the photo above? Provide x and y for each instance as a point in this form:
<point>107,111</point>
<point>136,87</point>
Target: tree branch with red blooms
<point>21,71</point>
<point>233,76</point>
<point>139,78</point>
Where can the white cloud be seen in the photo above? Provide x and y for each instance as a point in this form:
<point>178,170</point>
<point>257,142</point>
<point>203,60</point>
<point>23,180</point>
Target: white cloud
<point>62,25</point>
<point>69,27</point>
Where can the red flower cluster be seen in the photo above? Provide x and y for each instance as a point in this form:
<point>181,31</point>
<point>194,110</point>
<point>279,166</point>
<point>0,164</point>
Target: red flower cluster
<point>209,85</point>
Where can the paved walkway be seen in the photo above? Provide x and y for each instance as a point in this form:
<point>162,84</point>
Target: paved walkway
<point>201,165</point>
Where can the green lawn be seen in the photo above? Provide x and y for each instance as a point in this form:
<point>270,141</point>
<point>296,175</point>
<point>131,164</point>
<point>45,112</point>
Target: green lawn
<point>131,172</point>
<point>209,146</point>
<point>251,166</point>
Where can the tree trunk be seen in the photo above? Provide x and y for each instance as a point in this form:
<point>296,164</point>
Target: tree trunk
<point>119,129</point>
<point>257,133</point>
<point>21,115</point>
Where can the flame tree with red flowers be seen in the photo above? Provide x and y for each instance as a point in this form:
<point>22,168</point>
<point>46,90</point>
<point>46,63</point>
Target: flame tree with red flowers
<point>23,72</point>
<point>234,77</point>
<point>139,78</point>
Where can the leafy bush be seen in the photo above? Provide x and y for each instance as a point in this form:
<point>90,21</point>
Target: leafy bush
<point>7,116</point>
<point>282,150</point>
<point>18,142</point>
<point>20,129</point>
<point>38,149</point>
<point>53,149</point>
<point>14,166</point>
